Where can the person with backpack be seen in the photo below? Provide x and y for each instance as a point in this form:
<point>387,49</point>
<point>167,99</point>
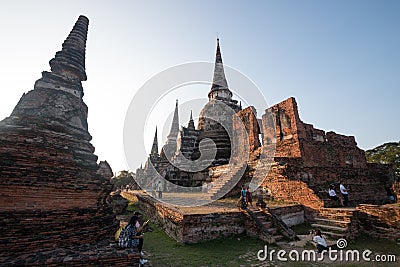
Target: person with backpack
<point>130,237</point>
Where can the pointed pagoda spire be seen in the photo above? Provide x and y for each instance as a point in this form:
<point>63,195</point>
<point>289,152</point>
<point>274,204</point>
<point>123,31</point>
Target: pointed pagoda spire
<point>173,133</point>
<point>68,65</point>
<point>70,61</point>
<point>154,148</point>
<point>219,81</point>
<point>191,122</point>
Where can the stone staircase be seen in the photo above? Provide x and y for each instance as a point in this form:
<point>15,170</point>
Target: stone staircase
<point>223,184</point>
<point>262,219</point>
<point>336,223</point>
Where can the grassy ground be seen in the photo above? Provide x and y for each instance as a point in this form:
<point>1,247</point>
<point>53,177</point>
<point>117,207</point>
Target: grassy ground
<point>231,251</point>
<point>302,229</point>
<point>242,250</point>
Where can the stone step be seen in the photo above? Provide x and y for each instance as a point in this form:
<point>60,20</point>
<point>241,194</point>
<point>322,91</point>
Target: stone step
<point>267,225</point>
<point>333,234</point>
<point>272,231</point>
<point>329,227</point>
<point>335,216</point>
<point>342,210</point>
<point>277,237</point>
<point>341,223</point>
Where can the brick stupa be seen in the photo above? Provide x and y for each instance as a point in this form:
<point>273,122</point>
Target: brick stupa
<point>53,191</point>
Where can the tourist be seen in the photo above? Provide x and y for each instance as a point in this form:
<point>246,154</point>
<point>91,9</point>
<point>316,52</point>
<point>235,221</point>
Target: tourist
<point>159,189</point>
<point>153,189</point>
<point>243,197</point>
<point>136,236</point>
<point>390,196</point>
<point>138,226</point>
<point>261,194</point>
<point>332,193</point>
<point>249,198</point>
<point>344,193</point>
<point>320,242</point>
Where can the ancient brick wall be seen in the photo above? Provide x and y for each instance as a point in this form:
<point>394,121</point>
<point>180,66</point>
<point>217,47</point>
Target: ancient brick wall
<point>170,218</point>
<point>308,160</point>
<point>49,180</point>
<point>286,185</point>
<point>192,228</point>
<point>285,118</point>
<point>249,120</point>
<point>380,221</point>
<point>290,214</point>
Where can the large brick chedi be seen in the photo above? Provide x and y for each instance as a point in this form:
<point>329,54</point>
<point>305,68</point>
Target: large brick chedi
<point>52,191</point>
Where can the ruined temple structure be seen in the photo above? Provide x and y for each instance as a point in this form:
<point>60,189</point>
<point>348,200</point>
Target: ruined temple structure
<point>308,160</point>
<point>185,140</point>
<point>304,160</point>
<point>54,195</point>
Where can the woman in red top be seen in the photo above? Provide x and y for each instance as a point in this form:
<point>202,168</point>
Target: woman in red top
<point>249,199</point>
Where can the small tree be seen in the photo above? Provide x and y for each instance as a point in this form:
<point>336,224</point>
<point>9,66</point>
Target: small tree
<point>123,179</point>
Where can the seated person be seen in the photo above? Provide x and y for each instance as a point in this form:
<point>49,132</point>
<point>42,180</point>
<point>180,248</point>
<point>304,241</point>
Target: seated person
<point>319,241</point>
<point>390,195</point>
<point>136,237</point>
<point>332,193</point>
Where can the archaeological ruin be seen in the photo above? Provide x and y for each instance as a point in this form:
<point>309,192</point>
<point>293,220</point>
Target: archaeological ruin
<point>302,163</point>
<point>54,195</point>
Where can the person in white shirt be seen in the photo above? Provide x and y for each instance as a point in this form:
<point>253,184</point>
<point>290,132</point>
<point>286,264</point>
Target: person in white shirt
<point>332,194</point>
<point>344,193</point>
<point>320,241</point>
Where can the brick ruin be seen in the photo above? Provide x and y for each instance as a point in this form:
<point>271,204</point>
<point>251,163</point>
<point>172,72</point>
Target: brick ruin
<point>308,160</point>
<point>302,161</point>
<point>54,195</point>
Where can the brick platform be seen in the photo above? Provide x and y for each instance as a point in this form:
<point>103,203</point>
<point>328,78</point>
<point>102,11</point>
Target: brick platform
<point>102,253</point>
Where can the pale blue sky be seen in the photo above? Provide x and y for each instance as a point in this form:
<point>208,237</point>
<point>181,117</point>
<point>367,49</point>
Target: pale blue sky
<point>339,59</point>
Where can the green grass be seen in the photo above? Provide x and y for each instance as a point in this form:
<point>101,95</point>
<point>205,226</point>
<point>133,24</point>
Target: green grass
<point>302,229</point>
<point>379,246</point>
<point>231,251</point>
<point>241,250</point>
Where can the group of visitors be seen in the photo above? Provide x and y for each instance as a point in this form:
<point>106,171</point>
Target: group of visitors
<point>343,191</point>
<point>245,197</point>
<point>344,201</point>
<point>132,235</point>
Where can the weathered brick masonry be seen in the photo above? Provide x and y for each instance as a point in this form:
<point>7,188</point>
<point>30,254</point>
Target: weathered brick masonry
<point>53,193</point>
<point>192,227</point>
<point>380,221</point>
<point>308,160</point>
